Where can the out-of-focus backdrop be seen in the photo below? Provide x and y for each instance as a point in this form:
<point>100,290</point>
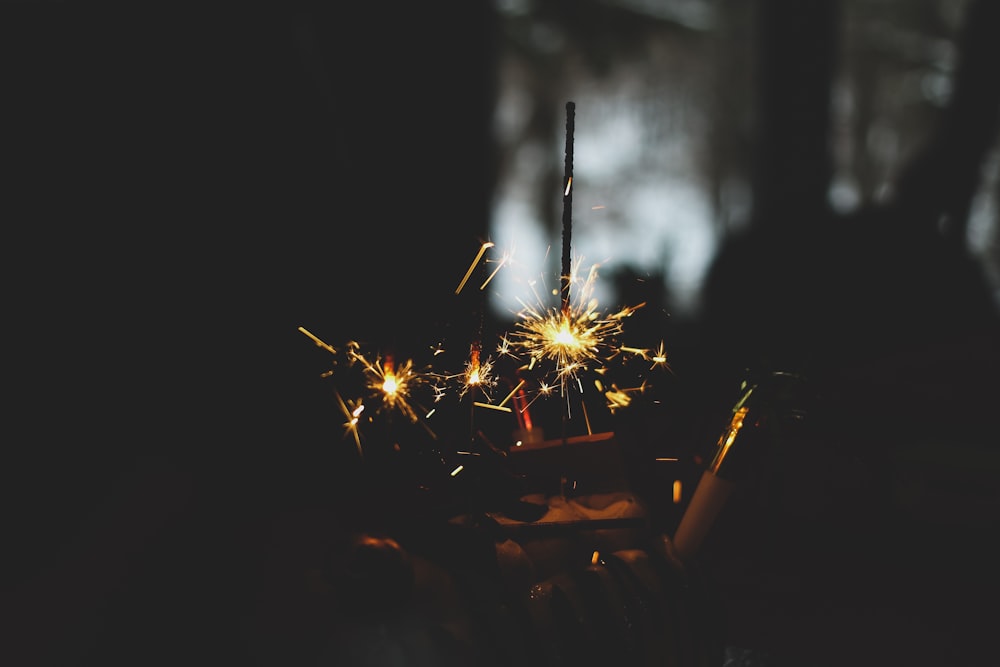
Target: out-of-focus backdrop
<point>805,187</point>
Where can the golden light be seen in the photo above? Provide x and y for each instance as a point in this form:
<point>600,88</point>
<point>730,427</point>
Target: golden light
<point>573,338</point>
<point>391,386</point>
<point>472,368</point>
<point>477,375</point>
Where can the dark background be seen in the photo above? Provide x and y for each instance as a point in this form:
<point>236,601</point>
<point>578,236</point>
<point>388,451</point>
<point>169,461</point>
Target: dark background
<point>189,184</point>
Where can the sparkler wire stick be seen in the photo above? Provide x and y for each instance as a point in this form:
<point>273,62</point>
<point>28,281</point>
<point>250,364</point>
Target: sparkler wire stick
<point>567,234</point>
<point>567,211</point>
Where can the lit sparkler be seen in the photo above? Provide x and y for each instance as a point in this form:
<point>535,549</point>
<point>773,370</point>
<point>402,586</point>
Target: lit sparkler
<point>393,385</point>
<point>478,373</point>
<point>571,339</point>
<point>575,337</point>
<point>553,346</point>
<point>477,376</point>
<point>383,385</point>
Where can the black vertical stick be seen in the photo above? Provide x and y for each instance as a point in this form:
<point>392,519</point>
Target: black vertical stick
<point>567,212</point>
<point>567,233</point>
